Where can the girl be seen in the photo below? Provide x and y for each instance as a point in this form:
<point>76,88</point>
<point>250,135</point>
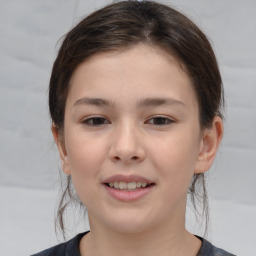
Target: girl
<point>135,99</point>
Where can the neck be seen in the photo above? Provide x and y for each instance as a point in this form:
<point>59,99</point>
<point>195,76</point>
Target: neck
<point>161,241</point>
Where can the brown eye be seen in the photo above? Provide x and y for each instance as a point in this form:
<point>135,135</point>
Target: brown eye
<point>96,121</point>
<point>160,121</point>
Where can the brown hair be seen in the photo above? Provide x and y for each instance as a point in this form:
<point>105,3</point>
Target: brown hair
<point>125,24</point>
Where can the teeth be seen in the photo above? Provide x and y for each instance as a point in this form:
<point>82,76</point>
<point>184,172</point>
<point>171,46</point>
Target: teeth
<point>138,184</point>
<point>123,185</point>
<point>127,185</point>
<point>131,185</point>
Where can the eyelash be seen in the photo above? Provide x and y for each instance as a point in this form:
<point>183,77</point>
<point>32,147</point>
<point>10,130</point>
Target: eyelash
<point>90,121</point>
<point>162,118</point>
<point>95,118</point>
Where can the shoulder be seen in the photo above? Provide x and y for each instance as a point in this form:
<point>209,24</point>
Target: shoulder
<point>69,248</point>
<point>207,249</point>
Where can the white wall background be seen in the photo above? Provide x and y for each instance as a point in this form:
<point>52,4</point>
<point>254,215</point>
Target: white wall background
<point>29,31</point>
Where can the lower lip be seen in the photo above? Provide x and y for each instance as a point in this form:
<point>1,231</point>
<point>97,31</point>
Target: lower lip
<point>128,196</point>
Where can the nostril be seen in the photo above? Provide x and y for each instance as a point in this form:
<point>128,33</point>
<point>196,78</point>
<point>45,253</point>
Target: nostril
<point>134,158</point>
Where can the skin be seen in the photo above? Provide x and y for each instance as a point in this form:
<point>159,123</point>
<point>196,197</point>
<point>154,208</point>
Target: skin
<point>162,142</point>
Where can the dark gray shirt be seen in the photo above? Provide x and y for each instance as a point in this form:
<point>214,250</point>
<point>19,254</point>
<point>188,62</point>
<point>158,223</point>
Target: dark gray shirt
<point>71,248</point>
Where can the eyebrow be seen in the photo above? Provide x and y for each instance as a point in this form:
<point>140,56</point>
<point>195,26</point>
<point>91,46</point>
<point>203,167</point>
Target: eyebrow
<point>148,102</point>
<point>154,102</point>
<point>94,101</point>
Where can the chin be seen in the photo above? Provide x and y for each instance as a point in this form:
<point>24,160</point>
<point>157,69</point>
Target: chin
<point>130,225</point>
<point>129,228</point>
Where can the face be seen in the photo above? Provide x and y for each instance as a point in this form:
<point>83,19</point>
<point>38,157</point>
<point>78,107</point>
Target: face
<point>132,139</point>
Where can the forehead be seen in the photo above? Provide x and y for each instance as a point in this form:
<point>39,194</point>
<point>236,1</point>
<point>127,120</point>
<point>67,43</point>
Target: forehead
<point>134,71</point>
<point>151,54</point>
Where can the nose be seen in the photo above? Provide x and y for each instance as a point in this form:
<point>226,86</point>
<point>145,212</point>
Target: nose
<point>127,145</point>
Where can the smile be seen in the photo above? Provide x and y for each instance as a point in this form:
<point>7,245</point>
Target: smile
<point>128,186</point>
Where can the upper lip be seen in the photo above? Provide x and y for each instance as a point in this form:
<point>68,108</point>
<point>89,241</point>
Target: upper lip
<point>127,178</point>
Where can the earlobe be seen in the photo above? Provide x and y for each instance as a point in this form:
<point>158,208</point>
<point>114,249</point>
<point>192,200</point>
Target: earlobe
<point>61,148</point>
<point>209,144</point>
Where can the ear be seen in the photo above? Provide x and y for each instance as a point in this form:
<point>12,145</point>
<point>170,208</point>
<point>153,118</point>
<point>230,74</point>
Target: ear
<point>59,140</point>
<point>209,144</point>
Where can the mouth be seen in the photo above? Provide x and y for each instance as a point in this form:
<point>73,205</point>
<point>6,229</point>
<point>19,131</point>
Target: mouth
<point>129,186</point>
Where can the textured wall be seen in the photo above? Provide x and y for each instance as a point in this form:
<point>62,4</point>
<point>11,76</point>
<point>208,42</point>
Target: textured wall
<point>29,34</point>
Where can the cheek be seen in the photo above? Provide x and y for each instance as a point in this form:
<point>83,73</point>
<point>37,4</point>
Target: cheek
<point>85,156</point>
<point>84,169</point>
<point>175,159</point>
<point>83,150</point>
